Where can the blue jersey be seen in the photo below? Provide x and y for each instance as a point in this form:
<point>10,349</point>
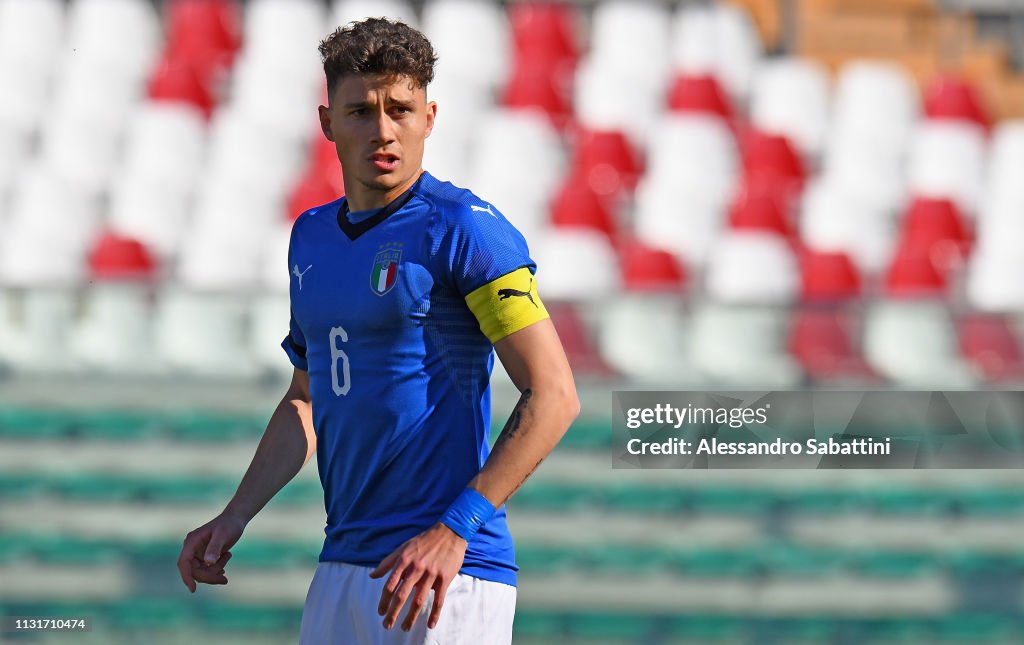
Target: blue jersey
<point>398,366</point>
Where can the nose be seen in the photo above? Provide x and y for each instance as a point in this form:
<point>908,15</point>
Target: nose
<point>384,132</point>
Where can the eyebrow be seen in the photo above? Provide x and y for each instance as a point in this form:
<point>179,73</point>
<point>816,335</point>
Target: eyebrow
<point>396,102</point>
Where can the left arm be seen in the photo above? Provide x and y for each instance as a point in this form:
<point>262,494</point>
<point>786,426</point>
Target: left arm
<point>535,360</point>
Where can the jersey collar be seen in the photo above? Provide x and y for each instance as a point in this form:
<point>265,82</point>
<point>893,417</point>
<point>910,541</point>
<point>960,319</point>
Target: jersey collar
<point>354,229</point>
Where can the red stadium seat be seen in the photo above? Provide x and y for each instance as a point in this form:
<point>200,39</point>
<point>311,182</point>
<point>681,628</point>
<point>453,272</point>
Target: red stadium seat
<point>991,346</point>
<point>821,342</point>
<point>313,190</point>
<point>114,257</point>
<point>936,221</point>
<point>607,158</point>
<point>772,155</point>
<point>578,205</point>
<point>645,268</point>
<point>537,86</point>
<point>204,33</point>
<point>954,98</point>
<point>701,94</point>
<point>325,161</point>
<point>179,82</point>
<point>544,31</point>
<point>915,272</point>
<point>576,341</point>
<point>828,277</point>
<point>759,206</point>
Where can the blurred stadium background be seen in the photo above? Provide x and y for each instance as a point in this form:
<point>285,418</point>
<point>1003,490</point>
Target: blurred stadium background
<point>743,194</point>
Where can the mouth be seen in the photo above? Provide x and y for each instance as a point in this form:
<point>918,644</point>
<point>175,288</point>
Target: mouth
<point>384,161</point>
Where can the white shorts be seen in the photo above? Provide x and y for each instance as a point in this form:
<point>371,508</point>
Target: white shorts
<point>341,609</point>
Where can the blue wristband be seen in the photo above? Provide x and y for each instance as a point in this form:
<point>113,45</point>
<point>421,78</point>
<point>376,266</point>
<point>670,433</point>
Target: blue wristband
<point>468,513</point>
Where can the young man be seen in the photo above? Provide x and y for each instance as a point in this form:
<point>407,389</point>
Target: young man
<point>399,292</point>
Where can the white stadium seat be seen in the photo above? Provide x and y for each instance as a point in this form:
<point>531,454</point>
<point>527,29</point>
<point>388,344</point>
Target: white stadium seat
<point>644,337</point>
<point>167,142</point>
<point>609,98</point>
<point>791,97</point>
<point>346,11</point>
<point>833,219</point>
<point>914,344</point>
<point>31,33</point>
<point>115,333</point>
<point>752,267</point>
<point>1007,158</point>
<point>947,159</point>
<point>203,333</point>
<point>742,346</point>
<point>285,31</point>
<point>875,106</point>
<point>719,40</point>
<point>575,264</point>
<point>122,36</point>
<point>683,220</point>
<point>632,38</point>
<point>268,317</point>
<point>873,176</point>
<point>472,40</point>
<point>38,340</point>
<point>696,153</point>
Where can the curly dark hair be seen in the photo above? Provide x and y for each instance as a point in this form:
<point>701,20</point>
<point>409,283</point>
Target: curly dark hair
<point>377,46</point>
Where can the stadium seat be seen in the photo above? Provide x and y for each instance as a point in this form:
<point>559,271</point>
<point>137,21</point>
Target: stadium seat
<point>681,220</point>
<point>460,106</point>
<point>578,205</point>
<point>752,267</point>
<point>937,225</point>
<point>545,31</point>
<point>916,271</point>
<point>203,333</point>
<point>30,33</point>
<point>772,155</point>
<point>650,268</point>
<point>734,346</point>
<point>178,82</point>
<point>992,284</point>
<point>561,252</point>
<point>947,159</point>
<point>608,160</point>
<point>205,34</point>
<point>696,155</point>
<point>346,11</point>
<point>828,277</point>
<point>719,40</point>
<point>761,205</point>
<point>822,341</point>
<point>659,354</point>
<point>875,108</point>
<point>115,333</point>
<point>991,346</point>
<point>517,151</point>
<point>954,99</point>
<point>533,86</point>
<point>278,96</point>
<point>1007,156</point>
<point>914,344</point>
<point>165,142</point>
<point>281,31</point>
<point>131,54</point>
<point>607,98</point>
<point>790,97</point>
<point>578,343</point>
<point>632,37</point>
<point>833,220</point>
<point>699,94</point>
<point>472,40</point>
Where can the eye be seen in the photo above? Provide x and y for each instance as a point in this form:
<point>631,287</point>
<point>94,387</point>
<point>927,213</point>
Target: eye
<point>358,112</point>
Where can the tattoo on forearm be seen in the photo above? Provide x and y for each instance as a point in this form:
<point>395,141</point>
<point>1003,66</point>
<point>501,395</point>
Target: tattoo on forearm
<point>522,481</point>
<point>515,420</point>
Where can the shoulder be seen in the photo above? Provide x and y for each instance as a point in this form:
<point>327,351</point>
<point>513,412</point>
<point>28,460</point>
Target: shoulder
<point>317,214</point>
<point>455,206</point>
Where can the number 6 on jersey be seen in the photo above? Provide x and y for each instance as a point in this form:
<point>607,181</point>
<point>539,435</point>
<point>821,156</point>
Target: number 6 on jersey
<point>340,389</point>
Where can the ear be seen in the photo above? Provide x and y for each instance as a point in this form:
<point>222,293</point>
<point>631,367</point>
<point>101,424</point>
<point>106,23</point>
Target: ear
<point>431,115</point>
<point>325,122</point>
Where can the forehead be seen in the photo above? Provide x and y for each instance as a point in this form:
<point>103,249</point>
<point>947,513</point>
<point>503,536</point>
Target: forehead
<point>355,87</point>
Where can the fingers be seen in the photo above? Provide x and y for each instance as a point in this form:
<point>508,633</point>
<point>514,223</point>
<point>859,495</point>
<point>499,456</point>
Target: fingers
<point>194,544</point>
<point>211,574</point>
<point>399,598</point>
<point>385,565</point>
<point>389,589</point>
<point>440,591</point>
<point>419,601</point>
<point>215,547</point>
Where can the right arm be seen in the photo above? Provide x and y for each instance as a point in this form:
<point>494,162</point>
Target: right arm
<point>287,444</point>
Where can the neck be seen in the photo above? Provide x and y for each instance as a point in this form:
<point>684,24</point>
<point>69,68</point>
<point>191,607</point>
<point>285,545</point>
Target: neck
<point>363,198</point>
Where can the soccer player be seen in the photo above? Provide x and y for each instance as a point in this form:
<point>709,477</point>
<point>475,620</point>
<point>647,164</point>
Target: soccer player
<point>399,292</point>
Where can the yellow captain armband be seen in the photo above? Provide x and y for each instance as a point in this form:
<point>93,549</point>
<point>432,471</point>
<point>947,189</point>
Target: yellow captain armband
<point>507,304</point>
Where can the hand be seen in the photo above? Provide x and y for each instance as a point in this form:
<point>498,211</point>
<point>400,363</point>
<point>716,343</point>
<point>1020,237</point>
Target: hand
<point>428,561</point>
<point>205,551</point>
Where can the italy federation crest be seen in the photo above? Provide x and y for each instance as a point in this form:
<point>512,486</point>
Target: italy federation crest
<point>385,270</point>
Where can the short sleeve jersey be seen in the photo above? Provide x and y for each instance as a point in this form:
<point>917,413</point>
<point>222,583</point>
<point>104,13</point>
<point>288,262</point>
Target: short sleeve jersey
<point>398,366</point>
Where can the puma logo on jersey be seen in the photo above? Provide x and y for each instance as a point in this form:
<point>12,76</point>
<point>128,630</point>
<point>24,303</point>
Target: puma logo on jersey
<point>481,209</point>
<point>505,294</point>
<point>297,274</point>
